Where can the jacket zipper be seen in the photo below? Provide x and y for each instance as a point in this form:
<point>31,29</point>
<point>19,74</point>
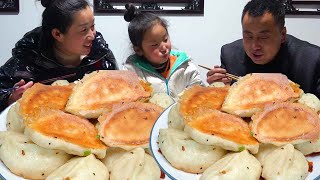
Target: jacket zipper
<point>166,80</point>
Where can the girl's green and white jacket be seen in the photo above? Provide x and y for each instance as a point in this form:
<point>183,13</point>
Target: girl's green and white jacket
<point>182,75</point>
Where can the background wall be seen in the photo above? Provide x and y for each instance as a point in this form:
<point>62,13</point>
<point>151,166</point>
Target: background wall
<point>200,36</point>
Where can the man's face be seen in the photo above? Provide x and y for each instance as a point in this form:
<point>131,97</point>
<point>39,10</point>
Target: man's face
<point>262,37</point>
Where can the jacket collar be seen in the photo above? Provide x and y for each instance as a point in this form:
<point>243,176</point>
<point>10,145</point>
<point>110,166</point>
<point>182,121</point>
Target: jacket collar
<point>142,63</point>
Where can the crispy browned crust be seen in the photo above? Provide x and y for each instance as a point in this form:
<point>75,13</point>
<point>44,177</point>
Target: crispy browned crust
<point>128,124</point>
<point>70,128</point>
<point>201,97</point>
<point>44,96</point>
<point>253,91</point>
<point>285,123</point>
<point>223,125</point>
<point>102,89</point>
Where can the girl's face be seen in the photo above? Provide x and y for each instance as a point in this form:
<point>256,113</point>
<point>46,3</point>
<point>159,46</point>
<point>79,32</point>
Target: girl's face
<point>156,45</point>
<point>78,38</point>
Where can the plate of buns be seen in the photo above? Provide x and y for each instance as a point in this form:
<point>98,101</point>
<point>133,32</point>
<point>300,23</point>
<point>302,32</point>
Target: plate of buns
<point>262,126</point>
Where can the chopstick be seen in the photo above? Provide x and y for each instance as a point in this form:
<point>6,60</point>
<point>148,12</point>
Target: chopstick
<point>231,76</point>
<point>10,90</point>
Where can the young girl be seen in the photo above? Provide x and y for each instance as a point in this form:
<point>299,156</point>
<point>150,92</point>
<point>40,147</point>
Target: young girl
<point>66,46</point>
<point>167,70</point>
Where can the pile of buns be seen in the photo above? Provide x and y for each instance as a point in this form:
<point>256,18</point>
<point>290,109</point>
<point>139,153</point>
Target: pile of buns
<point>261,126</point>
<point>97,128</point>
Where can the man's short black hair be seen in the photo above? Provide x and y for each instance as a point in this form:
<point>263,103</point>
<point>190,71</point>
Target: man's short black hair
<point>256,8</point>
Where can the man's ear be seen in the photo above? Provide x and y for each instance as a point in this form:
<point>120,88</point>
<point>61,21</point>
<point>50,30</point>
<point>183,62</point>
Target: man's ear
<point>283,34</point>
<point>138,50</point>
<point>56,34</point>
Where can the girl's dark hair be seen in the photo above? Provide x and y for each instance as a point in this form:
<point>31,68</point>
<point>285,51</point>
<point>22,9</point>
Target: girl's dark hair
<point>58,14</point>
<point>140,23</point>
<point>257,8</point>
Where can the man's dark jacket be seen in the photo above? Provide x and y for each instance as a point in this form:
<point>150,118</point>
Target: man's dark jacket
<point>297,59</point>
<point>30,63</point>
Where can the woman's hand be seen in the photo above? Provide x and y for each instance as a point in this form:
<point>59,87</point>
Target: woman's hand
<point>21,88</point>
<point>217,74</point>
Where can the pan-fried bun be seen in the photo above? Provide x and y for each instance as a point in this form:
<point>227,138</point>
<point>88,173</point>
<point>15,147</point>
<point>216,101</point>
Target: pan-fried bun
<point>283,123</point>
<point>98,91</point>
<point>253,91</point>
<point>213,127</point>
<point>240,165</point>
<point>186,154</point>
<point>54,129</point>
<point>81,168</point>
<point>197,97</point>
<point>129,125</point>
<point>43,96</point>
<point>28,160</point>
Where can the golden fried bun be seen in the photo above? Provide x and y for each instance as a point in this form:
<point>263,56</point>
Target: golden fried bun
<point>98,91</point>
<point>213,127</point>
<point>43,96</point>
<point>201,97</point>
<point>253,91</point>
<point>283,123</point>
<point>128,125</point>
<point>54,129</point>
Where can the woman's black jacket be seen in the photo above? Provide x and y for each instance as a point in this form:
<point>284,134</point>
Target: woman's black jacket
<point>30,63</point>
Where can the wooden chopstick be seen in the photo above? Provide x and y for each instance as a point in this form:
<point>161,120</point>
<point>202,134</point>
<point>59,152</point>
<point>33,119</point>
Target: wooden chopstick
<point>231,76</point>
<point>234,77</point>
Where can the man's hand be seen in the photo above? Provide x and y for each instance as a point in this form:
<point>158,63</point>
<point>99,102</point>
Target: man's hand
<point>217,74</point>
<point>21,88</point>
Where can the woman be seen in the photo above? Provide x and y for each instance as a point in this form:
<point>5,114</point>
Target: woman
<point>66,46</point>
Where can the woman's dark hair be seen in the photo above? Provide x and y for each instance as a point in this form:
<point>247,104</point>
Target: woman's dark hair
<point>256,8</point>
<point>58,14</point>
<point>140,23</point>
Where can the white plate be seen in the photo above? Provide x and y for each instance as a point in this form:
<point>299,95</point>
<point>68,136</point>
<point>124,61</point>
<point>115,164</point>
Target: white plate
<point>5,173</point>
<point>173,173</point>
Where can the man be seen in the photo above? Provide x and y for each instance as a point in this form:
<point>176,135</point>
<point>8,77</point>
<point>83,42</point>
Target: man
<point>266,48</point>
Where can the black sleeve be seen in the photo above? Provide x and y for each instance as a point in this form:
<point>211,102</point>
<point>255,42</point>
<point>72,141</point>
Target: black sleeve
<point>111,60</point>
<point>317,93</point>
<point>101,47</point>
<point>7,81</point>
<point>18,67</point>
<point>222,59</point>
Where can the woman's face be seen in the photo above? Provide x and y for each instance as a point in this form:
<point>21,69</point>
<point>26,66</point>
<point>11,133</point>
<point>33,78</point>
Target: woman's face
<point>78,38</point>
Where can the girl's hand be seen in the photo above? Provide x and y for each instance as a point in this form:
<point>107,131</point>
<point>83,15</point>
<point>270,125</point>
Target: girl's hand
<point>217,74</point>
<point>21,87</point>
